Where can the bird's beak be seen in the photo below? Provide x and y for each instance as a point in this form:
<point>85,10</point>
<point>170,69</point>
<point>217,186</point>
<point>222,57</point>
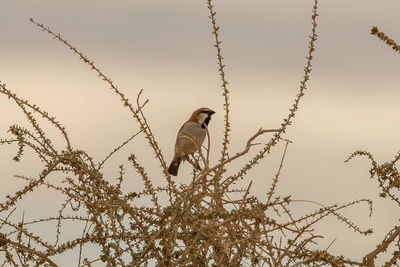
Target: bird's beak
<point>210,112</point>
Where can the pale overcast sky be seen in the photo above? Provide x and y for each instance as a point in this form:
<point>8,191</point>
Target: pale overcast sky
<point>166,48</point>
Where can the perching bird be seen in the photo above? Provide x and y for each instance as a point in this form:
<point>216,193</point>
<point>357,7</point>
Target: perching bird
<point>190,137</point>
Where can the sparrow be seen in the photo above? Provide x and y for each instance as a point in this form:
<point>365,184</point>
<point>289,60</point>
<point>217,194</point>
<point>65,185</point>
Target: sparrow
<point>190,137</point>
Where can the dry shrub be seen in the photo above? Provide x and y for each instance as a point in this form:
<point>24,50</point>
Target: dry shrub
<point>208,222</point>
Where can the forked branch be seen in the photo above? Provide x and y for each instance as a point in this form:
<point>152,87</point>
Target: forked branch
<point>370,258</point>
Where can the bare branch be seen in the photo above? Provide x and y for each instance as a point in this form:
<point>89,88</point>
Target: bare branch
<point>370,257</point>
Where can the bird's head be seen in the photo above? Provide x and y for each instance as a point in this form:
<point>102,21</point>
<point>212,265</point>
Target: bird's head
<point>202,116</point>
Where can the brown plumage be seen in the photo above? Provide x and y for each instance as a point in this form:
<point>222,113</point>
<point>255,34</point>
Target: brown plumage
<point>190,137</point>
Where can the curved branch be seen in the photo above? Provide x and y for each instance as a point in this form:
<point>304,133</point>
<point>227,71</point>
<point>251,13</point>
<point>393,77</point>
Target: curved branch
<point>370,258</point>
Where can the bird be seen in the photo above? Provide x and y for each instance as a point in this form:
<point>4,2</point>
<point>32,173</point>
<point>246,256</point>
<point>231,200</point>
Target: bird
<point>190,137</point>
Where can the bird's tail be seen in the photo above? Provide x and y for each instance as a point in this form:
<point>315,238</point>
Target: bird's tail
<point>173,168</point>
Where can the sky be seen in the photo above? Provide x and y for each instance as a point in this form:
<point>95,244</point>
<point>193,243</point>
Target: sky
<point>166,48</point>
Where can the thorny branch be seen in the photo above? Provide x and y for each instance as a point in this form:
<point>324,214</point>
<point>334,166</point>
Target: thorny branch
<point>370,257</point>
<point>208,221</point>
<point>383,37</point>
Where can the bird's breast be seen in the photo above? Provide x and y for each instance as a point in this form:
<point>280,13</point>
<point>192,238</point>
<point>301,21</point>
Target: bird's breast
<point>190,131</point>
